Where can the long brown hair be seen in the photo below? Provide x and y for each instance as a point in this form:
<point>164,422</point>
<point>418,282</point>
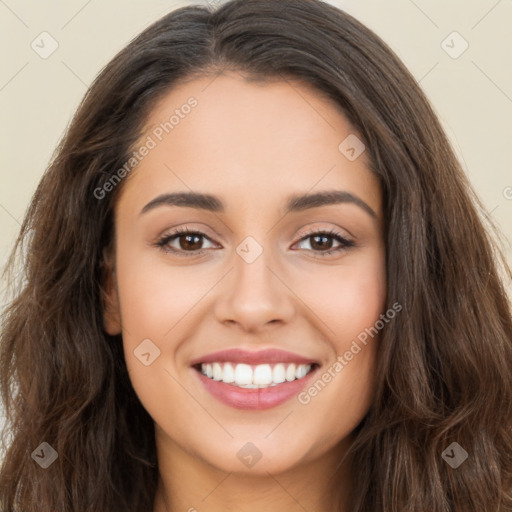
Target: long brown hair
<point>444,364</point>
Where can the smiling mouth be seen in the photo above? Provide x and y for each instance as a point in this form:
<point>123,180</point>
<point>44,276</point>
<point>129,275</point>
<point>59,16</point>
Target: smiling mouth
<point>259,376</point>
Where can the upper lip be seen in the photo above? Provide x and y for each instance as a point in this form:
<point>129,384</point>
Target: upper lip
<point>266,356</point>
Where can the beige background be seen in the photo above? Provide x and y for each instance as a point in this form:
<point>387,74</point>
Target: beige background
<point>472,93</point>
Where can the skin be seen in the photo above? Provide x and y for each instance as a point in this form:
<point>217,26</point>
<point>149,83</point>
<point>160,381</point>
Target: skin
<point>251,144</point>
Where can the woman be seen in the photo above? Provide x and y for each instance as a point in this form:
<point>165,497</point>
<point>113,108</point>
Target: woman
<point>256,279</point>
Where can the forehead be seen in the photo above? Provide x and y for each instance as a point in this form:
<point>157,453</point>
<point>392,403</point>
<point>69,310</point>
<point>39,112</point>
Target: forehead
<point>249,139</point>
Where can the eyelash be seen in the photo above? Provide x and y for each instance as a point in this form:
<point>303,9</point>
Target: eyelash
<point>163,242</point>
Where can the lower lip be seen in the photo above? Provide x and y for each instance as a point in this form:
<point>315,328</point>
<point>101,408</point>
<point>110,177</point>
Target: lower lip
<point>252,398</point>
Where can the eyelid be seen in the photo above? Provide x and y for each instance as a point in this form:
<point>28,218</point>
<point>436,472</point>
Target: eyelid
<point>334,231</point>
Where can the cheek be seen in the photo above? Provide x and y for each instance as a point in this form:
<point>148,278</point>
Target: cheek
<point>360,301</point>
<point>150,308</point>
<point>154,313</point>
<point>349,298</point>
<point>154,297</point>
<point>350,302</point>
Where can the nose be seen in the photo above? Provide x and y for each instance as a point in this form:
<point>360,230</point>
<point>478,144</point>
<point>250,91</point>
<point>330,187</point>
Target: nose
<point>254,295</point>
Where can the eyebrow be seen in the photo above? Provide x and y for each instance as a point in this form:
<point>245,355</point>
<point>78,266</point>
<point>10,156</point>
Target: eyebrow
<point>295,203</point>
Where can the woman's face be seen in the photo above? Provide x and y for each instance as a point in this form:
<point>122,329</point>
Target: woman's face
<point>255,275</point>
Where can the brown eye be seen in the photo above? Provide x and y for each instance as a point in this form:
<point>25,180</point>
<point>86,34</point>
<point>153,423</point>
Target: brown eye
<point>321,242</point>
<point>189,243</point>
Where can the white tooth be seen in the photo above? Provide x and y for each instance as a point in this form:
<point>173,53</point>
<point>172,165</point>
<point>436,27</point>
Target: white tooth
<point>290,372</point>
<point>262,374</point>
<point>243,374</point>
<point>217,371</point>
<point>301,371</point>
<point>278,373</point>
<point>228,375</point>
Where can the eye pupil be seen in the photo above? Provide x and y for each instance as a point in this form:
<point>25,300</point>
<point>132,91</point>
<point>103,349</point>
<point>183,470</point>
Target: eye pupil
<point>188,244</point>
<point>322,244</point>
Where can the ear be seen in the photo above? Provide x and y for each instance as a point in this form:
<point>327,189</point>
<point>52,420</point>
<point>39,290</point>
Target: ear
<point>109,296</point>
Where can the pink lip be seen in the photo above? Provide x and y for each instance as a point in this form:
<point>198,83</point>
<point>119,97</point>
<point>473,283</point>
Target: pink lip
<point>255,399</point>
<point>267,356</point>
